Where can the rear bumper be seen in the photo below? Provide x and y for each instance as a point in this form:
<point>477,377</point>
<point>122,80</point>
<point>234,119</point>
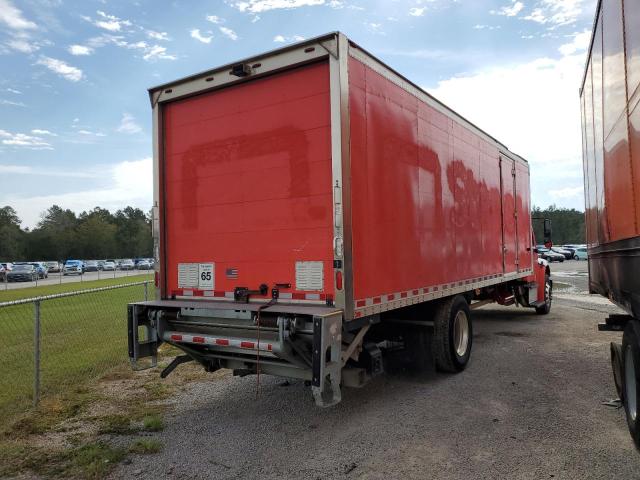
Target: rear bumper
<point>296,341</point>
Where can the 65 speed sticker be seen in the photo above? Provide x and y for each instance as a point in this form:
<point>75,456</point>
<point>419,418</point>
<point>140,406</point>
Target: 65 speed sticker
<point>206,276</point>
<point>197,275</point>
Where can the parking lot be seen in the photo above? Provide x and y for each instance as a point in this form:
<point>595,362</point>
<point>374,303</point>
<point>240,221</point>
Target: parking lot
<point>529,406</point>
<point>57,278</point>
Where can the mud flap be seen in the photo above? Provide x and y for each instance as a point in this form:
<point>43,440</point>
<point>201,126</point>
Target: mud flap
<point>327,360</point>
<point>143,337</point>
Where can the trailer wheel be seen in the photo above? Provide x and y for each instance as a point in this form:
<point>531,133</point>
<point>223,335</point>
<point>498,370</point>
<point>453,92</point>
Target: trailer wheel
<point>548,296</point>
<point>452,335</point>
<point>631,378</point>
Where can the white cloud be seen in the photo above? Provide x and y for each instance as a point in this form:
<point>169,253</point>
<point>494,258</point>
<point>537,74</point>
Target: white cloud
<point>580,42</point>
<point>66,71</point>
<point>417,11</point>
<point>214,19</point>
<point>195,33</point>
<point>12,17</point>
<point>158,35</point>
<point>259,6</point>
<point>128,125</point>
<point>229,33</point>
<point>22,140</point>
<point>38,131</point>
<point>283,39</point>
<point>556,13</point>
<point>80,50</point>
<point>511,10</point>
<point>543,125</point>
<point>156,52</point>
<point>23,45</point>
<point>13,90</point>
<point>486,27</point>
<point>149,52</point>
<point>127,183</point>
<point>568,192</point>
<point>11,103</point>
<point>27,170</point>
<point>110,22</point>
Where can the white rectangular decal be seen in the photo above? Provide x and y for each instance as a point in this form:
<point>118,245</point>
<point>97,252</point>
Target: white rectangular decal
<point>309,276</point>
<point>187,275</point>
<point>206,276</point>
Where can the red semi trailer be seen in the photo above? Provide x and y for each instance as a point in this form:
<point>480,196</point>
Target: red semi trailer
<point>610,96</point>
<point>314,209</point>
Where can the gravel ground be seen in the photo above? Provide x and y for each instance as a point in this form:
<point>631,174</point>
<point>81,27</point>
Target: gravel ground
<point>529,406</point>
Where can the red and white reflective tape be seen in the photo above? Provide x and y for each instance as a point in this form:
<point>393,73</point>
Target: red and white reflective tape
<point>368,306</point>
<point>192,292</point>
<point>218,342</point>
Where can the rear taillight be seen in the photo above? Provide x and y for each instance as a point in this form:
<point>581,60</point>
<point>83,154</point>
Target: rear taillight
<point>339,280</point>
<point>156,280</point>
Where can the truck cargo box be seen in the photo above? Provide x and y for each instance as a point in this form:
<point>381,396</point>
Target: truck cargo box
<point>315,179</point>
<point>396,197</point>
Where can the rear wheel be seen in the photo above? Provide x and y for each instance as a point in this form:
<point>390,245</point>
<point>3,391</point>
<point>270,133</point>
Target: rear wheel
<point>631,381</point>
<point>452,335</point>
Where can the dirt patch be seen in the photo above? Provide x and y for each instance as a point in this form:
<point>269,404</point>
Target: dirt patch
<point>85,433</point>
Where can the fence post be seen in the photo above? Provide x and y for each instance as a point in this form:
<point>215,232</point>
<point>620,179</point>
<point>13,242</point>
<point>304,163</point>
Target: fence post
<point>36,353</point>
<point>146,291</point>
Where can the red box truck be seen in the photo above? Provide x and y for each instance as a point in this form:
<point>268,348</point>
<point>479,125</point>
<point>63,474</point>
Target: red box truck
<point>314,209</point>
<point>610,96</point>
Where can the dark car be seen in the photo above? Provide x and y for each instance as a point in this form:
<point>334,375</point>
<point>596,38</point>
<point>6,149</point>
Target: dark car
<point>91,266</point>
<point>5,268</point>
<point>23,273</point>
<point>550,255</point>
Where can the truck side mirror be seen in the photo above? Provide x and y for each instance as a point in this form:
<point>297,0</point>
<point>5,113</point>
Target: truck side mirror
<point>547,233</point>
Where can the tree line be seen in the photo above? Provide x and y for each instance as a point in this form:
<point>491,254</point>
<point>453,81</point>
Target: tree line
<point>61,235</point>
<point>567,225</point>
<point>98,233</point>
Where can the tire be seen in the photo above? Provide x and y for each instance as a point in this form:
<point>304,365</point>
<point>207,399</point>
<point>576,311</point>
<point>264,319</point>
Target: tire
<point>617,367</point>
<point>452,335</point>
<point>631,378</point>
<point>548,297</point>
<point>576,257</point>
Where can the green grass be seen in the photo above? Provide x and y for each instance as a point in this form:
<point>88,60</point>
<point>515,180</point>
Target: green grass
<point>145,446</point>
<point>153,423</point>
<point>90,461</point>
<point>30,292</point>
<point>82,337</point>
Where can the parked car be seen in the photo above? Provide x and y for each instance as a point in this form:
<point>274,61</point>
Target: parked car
<point>41,268</point>
<point>24,272</point>
<point>581,254</point>
<point>144,265</point>
<point>53,267</point>
<point>108,266</point>
<point>91,266</point>
<point>5,268</point>
<point>550,255</point>
<point>568,254</point>
<point>127,264</point>
<point>73,267</point>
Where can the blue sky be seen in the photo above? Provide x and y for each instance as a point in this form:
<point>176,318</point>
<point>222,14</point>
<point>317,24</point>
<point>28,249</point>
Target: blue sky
<point>75,117</point>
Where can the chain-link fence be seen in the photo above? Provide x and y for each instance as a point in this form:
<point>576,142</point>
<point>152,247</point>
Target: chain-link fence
<point>50,344</point>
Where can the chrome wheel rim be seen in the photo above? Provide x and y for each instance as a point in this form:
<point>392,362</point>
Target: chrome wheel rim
<point>630,384</point>
<point>547,293</point>
<point>461,333</point>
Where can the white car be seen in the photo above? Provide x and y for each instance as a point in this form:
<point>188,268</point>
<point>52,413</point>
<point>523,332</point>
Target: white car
<point>108,267</point>
<point>127,265</point>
